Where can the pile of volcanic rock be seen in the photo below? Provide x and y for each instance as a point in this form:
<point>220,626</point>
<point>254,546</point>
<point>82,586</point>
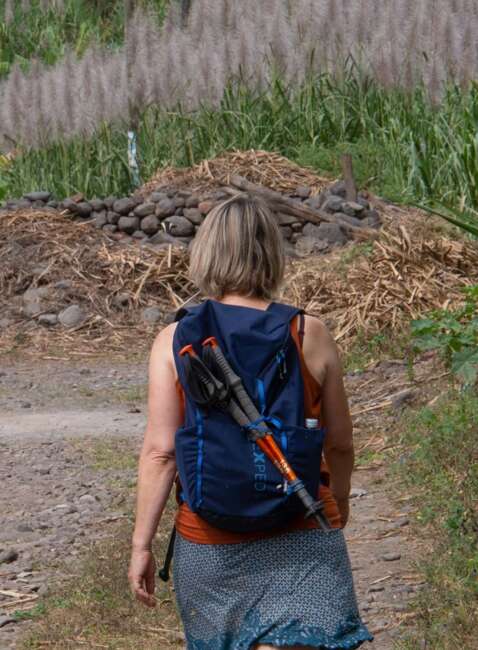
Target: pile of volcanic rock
<point>309,223</point>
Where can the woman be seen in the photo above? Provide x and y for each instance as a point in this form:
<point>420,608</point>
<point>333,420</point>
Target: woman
<point>289,587</point>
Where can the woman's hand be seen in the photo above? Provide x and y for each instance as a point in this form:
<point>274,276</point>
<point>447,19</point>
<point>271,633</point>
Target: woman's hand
<point>344,509</point>
<point>142,570</point>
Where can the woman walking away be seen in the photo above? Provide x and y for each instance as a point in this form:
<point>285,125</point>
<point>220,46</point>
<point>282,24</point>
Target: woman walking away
<point>247,414</point>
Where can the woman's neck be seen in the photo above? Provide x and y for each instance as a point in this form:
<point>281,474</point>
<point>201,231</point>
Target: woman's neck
<point>244,301</point>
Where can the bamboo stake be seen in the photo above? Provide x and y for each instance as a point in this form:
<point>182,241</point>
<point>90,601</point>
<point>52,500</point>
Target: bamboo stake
<point>348,172</point>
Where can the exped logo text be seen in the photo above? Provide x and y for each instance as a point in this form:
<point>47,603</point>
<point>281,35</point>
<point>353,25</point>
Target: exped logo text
<point>259,469</point>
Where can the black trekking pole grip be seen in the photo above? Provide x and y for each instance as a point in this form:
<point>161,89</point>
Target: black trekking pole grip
<point>163,573</point>
<point>234,381</point>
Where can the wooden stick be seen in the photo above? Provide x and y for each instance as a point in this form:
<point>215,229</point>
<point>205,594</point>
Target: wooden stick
<point>277,202</point>
<point>348,173</point>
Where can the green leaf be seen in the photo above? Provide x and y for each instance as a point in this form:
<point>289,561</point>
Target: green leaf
<point>467,220</point>
<point>423,326</point>
<point>428,342</point>
<point>465,365</point>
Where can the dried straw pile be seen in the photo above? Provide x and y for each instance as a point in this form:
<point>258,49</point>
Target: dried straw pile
<point>110,280</point>
<point>413,268</point>
<point>259,167</point>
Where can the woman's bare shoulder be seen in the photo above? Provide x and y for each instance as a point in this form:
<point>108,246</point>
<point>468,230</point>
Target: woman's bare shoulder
<point>162,347</point>
<point>317,330</point>
<point>320,349</point>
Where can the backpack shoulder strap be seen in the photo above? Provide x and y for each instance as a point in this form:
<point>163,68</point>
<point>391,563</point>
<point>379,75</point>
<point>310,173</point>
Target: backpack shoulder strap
<point>283,311</point>
<point>181,312</point>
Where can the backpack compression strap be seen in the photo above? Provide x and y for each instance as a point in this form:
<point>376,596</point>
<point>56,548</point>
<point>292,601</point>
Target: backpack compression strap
<point>301,328</point>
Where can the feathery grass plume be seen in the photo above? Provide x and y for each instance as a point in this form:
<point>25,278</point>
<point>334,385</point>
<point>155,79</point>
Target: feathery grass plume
<point>332,13</point>
<point>216,18</point>
<point>448,47</point>
<point>87,113</point>
<point>43,116</point>
<point>231,55</point>
<point>434,83</point>
<point>52,102</point>
<point>409,79</point>
<point>185,9</point>
<point>67,84</point>
<point>172,81</point>
<point>145,35</point>
<point>16,106</point>
<point>361,21</point>
<point>466,67</point>
<point>100,98</point>
<point>9,13</point>
<point>247,57</point>
<point>383,72</point>
<point>157,70</point>
<point>280,42</point>
<point>174,18</point>
<point>25,5</point>
<point>198,16</point>
<point>302,20</point>
<point>188,62</point>
<point>222,40</point>
<point>29,133</point>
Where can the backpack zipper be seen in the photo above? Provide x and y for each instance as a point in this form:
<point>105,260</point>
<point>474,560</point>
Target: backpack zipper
<point>280,360</point>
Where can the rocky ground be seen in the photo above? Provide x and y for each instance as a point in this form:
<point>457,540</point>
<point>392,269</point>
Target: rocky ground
<point>67,433</point>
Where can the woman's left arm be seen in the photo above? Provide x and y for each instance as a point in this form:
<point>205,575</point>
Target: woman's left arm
<point>157,464</point>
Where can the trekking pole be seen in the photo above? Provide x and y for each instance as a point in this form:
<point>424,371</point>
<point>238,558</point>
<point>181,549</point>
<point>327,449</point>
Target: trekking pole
<point>263,437</point>
<point>163,573</point>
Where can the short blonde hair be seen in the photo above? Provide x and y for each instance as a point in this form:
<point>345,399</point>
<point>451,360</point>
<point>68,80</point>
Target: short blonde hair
<point>238,249</point>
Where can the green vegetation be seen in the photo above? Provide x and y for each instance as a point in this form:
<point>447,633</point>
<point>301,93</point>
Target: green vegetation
<point>455,335</point>
<point>465,219</point>
<point>35,612</point>
<point>45,35</point>
<point>405,147</point>
<point>368,349</point>
<point>441,472</point>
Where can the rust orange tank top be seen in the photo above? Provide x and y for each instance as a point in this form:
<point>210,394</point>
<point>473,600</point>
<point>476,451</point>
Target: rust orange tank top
<point>195,529</point>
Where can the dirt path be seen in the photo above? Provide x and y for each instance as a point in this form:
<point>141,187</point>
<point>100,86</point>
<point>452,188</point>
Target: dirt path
<point>66,436</point>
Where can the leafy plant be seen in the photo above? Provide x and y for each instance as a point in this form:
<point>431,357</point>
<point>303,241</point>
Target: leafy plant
<point>454,334</point>
<point>466,219</point>
<point>437,466</point>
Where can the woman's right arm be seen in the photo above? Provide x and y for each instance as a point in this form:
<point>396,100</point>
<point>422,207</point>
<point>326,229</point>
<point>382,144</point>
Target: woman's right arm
<point>157,464</point>
<point>323,361</point>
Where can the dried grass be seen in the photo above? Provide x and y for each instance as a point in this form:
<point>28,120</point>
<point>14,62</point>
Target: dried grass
<point>39,249</point>
<point>412,268</point>
<point>261,167</point>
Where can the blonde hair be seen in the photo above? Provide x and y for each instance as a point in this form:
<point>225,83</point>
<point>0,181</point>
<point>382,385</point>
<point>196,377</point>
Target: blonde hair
<point>238,249</point>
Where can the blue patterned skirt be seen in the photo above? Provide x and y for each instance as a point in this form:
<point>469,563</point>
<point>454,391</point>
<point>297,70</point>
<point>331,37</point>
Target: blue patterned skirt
<point>292,589</point>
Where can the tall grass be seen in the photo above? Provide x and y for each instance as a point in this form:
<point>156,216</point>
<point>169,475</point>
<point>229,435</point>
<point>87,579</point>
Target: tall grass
<point>44,31</point>
<point>404,146</point>
<point>440,470</point>
<point>191,58</point>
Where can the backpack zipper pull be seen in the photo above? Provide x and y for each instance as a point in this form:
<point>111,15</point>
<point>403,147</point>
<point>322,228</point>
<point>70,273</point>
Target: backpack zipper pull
<point>280,359</point>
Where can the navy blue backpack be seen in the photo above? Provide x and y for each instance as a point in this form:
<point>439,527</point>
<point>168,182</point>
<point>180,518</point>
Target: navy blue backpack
<point>224,476</point>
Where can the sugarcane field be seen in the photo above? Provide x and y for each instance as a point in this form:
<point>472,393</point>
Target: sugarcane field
<point>167,168</point>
